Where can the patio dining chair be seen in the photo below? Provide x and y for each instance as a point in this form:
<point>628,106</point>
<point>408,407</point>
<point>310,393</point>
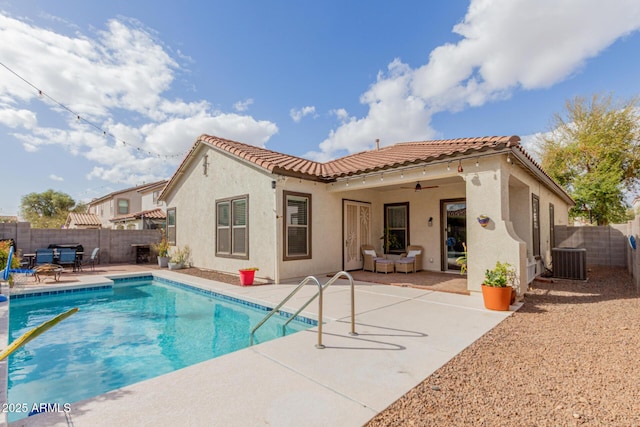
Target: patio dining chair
<point>43,256</point>
<point>92,259</point>
<point>67,257</point>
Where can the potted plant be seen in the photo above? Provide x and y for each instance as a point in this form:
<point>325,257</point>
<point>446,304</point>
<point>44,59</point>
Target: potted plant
<point>247,275</point>
<point>462,260</point>
<point>496,289</point>
<point>390,241</point>
<point>162,247</point>
<point>179,258</point>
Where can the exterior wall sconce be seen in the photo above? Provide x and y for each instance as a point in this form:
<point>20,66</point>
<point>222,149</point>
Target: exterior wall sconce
<point>483,220</point>
<point>205,165</point>
<point>273,185</point>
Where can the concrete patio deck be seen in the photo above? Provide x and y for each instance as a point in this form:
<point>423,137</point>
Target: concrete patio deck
<point>404,335</point>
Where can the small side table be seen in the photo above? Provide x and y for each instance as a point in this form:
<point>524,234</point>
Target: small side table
<point>406,265</point>
<point>384,266</point>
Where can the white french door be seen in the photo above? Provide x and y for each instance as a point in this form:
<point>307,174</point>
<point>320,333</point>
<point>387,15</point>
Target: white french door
<point>357,232</point>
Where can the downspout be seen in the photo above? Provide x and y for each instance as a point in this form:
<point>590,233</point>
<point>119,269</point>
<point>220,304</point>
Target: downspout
<point>276,240</point>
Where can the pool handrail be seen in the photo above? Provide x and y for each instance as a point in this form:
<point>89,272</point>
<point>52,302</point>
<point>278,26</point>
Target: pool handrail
<point>320,308</point>
<point>319,294</point>
<point>277,308</point>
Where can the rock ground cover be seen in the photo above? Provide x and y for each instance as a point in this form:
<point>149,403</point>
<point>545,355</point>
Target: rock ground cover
<point>568,357</point>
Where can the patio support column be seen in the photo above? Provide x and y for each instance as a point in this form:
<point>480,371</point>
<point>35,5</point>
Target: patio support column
<point>487,192</point>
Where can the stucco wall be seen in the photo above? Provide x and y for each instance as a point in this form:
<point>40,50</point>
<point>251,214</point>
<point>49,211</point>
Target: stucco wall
<point>195,201</point>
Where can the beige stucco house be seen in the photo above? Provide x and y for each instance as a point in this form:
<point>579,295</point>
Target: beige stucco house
<point>237,205</point>
<point>135,208</point>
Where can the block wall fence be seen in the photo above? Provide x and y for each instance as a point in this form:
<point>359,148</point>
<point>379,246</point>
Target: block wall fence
<point>115,245</point>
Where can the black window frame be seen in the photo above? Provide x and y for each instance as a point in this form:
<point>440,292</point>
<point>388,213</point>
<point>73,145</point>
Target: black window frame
<point>535,224</point>
<point>286,195</point>
<point>394,230</point>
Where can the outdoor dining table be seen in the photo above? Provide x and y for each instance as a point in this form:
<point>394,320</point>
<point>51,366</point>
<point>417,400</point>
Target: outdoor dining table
<point>31,259</point>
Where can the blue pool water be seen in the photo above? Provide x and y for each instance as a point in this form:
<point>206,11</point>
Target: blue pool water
<point>123,335</point>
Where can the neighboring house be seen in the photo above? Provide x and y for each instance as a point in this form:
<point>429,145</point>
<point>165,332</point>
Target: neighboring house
<point>237,205</point>
<point>135,208</point>
<point>82,221</point>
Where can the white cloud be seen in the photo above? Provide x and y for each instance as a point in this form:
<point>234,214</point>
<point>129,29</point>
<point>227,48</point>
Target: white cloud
<point>243,105</point>
<point>297,115</point>
<point>341,114</point>
<point>118,80</point>
<point>15,118</point>
<point>505,45</point>
<point>56,177</point>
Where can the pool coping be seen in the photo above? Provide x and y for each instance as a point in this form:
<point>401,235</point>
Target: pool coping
<point>389,318</point>
<point>104,283</point>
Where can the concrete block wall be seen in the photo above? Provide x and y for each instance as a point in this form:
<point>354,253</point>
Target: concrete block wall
<point>115,245</point>
<point>605,245</point>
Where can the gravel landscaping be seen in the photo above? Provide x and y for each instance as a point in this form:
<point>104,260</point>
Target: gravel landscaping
<point>569,356</point>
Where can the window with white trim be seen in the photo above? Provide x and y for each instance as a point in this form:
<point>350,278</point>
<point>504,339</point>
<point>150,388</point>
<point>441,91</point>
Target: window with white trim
<point>171,226</point>
<point>123,206</point>
<point>232,227</point>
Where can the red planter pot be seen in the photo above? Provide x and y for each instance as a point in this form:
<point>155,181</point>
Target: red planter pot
<point>496,298</point>
<point>246,277</point>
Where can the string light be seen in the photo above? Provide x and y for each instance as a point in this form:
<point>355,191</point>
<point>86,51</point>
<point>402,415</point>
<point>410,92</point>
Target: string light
<point>449,165</point>
<point>460,170</point>
<point>478,162</point>
<point>79,118</point>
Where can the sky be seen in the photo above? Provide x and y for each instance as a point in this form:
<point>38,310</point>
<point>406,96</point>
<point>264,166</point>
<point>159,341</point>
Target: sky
<point>100,96</point>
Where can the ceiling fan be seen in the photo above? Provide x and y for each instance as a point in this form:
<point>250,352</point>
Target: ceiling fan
<point>419,187</point>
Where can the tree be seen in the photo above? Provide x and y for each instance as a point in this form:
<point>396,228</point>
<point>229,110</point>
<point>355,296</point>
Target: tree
<point>594,153</point>
<point>46,210</point>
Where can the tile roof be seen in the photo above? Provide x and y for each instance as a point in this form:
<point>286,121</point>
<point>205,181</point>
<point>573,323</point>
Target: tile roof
<point>392,156</point>
<point>84,219</point>
<point>149,214</point>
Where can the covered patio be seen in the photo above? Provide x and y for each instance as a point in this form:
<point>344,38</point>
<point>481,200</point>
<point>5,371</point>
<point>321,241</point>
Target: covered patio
<point>431,280</point>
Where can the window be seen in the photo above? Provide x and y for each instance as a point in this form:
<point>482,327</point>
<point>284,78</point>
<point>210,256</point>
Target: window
<point>396,227</point>
<point>552,226</point>
<point>297,227</point>
<point>535,210</point>
<point>123,206</point>
<point>232,220</point>
<point>155,197</point>
<point>171,226</point>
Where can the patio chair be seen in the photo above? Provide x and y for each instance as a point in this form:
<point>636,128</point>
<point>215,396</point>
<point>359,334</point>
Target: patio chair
<point>369,256</point>
<point>67,257</point>
<point>92,259</point>
<point>43,256</point>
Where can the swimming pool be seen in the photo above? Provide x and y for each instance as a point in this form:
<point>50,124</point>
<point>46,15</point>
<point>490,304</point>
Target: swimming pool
<point>138,329</point>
